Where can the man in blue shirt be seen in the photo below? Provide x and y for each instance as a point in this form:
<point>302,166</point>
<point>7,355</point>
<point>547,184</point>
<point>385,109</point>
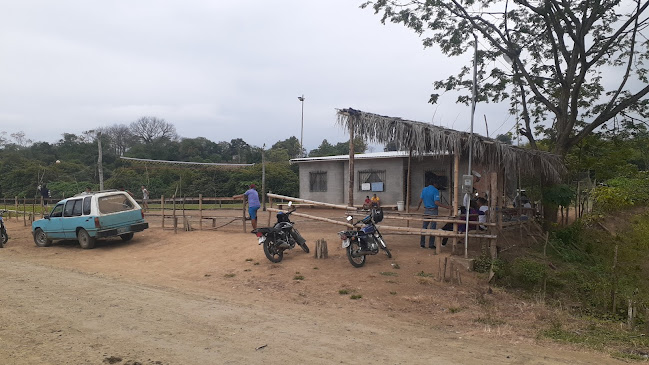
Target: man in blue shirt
<point>431,198</point>
<point>253,203</point>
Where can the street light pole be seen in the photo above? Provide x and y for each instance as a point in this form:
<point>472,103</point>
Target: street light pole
<point>301,99</point>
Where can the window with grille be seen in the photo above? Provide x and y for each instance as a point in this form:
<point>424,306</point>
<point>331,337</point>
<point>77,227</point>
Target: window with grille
<point>317,181</point>
<point>371,180</point>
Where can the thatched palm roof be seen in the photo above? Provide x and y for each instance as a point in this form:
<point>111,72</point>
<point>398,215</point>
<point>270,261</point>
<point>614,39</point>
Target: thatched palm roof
<point>426,138</point>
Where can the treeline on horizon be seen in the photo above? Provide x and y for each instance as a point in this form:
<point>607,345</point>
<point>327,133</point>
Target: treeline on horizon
<point>24,164</point>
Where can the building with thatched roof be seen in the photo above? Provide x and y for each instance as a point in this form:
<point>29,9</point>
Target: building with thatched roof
<point>429,149</point>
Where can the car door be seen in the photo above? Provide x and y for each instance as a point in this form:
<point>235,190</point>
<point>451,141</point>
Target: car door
<point>72,217</point>
<point>53,225</point>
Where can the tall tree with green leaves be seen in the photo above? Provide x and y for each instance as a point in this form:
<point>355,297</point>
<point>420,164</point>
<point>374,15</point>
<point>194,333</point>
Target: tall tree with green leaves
<point>568,67</point>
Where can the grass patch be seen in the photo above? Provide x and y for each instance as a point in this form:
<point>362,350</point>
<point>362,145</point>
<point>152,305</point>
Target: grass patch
<point>392,282</point>
<point>356,296</point>
<point>343,291</point>
<point>489,321</point>
<point>248,260</point>
<point>231,275</point>
<point>388,273</point>
<point>396,266</point>
<point>601,335</point>
<point>424,274</point>
<point>298,277</point>
<point>256,263</point>
<point>425,281</point>
<point>315,268</point>
<point>393,293</point>
<point>454,309</point>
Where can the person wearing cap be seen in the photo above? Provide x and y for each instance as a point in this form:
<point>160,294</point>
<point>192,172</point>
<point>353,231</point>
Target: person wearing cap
<point>253,203</point>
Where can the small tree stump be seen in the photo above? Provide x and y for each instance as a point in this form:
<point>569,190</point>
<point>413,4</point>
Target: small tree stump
<point>187,226</point>
<point>321,251</point>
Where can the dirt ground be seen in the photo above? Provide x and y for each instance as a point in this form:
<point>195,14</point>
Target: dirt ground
<point>212,297</point>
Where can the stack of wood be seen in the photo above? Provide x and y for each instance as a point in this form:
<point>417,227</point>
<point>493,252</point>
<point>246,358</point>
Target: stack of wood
<point>321,251</point>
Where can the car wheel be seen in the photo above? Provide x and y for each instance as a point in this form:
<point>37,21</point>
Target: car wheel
<point>40,238</point>
<point>127,236</point>
<point>85,240</point>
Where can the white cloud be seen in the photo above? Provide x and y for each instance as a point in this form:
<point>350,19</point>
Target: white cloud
<point>220,70</point>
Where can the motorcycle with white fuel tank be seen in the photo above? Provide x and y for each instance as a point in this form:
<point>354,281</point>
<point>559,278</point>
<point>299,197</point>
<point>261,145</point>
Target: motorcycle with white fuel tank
<point>282,236</point>
<point>365,240</point>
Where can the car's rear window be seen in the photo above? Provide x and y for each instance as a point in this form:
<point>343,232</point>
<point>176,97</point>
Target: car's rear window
<point>115,203</point>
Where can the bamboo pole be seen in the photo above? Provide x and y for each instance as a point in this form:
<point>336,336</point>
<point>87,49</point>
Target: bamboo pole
<point>315,218</point>
<point>305,201</point>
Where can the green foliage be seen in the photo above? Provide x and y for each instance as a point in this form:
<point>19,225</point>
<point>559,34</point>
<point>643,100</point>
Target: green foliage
<point>622,192</point>
<point>561,93</point>
<point>529,273</point>
<point>558,195</point>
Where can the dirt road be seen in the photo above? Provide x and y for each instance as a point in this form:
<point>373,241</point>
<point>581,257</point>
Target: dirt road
<point>158,300</point>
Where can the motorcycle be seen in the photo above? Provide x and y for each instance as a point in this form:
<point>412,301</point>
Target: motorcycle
<point>4,237</point>
<point>366,240</point>
<point>282,236</point>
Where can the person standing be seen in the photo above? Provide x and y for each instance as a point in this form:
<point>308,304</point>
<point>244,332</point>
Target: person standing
<point>431,198</point>
<point>145,198</point>
<point>45,194</point>
<point>253,203</point>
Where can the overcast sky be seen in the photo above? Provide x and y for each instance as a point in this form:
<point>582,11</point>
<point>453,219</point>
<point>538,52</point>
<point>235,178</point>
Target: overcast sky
<point>217,69</point>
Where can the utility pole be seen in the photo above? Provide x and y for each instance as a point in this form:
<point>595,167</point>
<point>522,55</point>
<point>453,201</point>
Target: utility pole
<point>99,163</point>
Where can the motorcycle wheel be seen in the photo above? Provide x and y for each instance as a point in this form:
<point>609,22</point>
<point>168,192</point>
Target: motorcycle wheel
<point>3,239</point>
<point>384,247</point>
<point>357,261</point>
<point>273,253</point>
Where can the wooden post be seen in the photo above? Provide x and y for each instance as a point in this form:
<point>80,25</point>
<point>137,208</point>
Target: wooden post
<point>200,212</point>
<point>16,205</point>
<point>243,212</point>
<point>456,192</point>
<point>34,209</point>
<point>444,273</point>
<point>24,211</point>
<point>350,201</point>
<point>270,203</point>
<point>174,214</point>
<point>408,185</point>
<point>321,251</point>
<point>162,207</point>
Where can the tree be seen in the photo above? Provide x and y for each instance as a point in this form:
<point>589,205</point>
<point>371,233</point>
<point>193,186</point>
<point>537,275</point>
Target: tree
<point>576,64</point>
<point>150,129</point>
<point>291,145</point>
<point>119,138</point>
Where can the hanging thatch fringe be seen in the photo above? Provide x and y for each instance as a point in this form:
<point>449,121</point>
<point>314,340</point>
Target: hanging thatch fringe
<point>426,138</point>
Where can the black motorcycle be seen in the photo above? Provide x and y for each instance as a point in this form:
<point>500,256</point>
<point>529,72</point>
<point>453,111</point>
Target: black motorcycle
<point>282,236</point>
<point>366,240</point>
<point>4,237</point>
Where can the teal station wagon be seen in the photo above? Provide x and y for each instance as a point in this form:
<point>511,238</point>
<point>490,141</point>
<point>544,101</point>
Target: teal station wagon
<point>88,216</point>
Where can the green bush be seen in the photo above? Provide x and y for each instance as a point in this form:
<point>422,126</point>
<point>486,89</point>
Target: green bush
<point>621,192</point>
<point>529,274</point>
